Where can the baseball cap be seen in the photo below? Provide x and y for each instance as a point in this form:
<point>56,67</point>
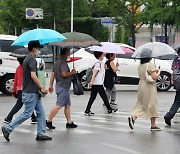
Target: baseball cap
<point>34,44</point>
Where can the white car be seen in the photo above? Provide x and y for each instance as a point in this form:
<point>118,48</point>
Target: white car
<point>128,68</point>
<point>8,67</point>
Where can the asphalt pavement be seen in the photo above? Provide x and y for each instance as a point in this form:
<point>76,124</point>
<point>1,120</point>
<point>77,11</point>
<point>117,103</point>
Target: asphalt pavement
<point>100,134</point>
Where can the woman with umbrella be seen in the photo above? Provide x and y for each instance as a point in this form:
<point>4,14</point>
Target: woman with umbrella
<point>146,106</point>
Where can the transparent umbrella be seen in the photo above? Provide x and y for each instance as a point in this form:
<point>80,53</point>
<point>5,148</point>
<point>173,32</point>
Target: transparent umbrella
<point>158,49</point>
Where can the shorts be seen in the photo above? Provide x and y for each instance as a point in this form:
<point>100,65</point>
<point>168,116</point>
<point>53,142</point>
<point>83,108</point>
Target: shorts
<point>63,96</point>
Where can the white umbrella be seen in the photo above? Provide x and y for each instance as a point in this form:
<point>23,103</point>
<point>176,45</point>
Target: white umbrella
<point>107,47</point>
<point>158,49</point>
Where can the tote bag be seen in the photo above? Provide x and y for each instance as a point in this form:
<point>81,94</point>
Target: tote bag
<point>77,87</point>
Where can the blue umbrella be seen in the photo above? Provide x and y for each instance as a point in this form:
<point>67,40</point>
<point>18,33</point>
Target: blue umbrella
<point>44,36</point>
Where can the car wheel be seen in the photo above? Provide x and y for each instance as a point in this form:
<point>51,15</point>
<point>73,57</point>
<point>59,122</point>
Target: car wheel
<point>82,78</point>
<point>164,82</point>
<point>7,85</point>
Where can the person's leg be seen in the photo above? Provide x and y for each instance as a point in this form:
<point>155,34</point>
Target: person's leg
<point>41,120</point>
<point>53,112</point>
<point>16,107</point>
<point>108,93</point>
<point>103,95</point>
<point>29,100</point>
<point>175,106</point>
<point>33,116</point>
<point>91,99</point>
<point>67,113</point>
<point>153,122</point>
<point>113,95</point>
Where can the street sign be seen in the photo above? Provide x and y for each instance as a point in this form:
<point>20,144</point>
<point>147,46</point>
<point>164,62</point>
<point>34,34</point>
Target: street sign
<point>107,21</point>
<point>34,13</point>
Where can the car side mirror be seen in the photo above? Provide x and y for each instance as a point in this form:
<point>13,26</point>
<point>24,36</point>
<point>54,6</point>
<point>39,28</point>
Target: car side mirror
<point>0,61</point>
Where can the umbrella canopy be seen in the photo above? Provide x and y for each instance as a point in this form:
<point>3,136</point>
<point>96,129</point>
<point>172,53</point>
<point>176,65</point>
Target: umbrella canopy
<point>46,52</point>
<point>44,36</point>
<point>108,47</point>
<point>127,50</point>
<point>158,49</point>
<point>177,46</point>
<point>76,40</point>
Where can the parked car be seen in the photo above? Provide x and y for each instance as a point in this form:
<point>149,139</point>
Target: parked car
<point>8,67</point>
<point>128,68</point>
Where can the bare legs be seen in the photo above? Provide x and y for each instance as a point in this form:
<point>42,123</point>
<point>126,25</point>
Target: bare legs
<point>55,110</point>
<point>153,122</point>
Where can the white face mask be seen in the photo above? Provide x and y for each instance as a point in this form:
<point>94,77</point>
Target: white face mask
<point>38,52</point>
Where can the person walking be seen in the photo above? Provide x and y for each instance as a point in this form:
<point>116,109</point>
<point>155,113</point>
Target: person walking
<point>17,93</point>
<point>30,96</point>
<point>110,78</point>
<point>61,73</point>
<point>176,104</point>
<point>146,106</point>
<point>96,85</point>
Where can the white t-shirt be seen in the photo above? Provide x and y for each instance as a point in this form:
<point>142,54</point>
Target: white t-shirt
<point>99,79</point>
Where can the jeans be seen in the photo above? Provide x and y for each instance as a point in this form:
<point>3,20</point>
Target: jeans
<point>111,94</point>
<point>18,106</point>
<point>175,106</point>
<point>97,89</point>
<point>32,102</point>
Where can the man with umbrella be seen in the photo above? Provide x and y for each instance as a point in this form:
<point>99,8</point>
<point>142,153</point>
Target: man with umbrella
<point>30,96</point>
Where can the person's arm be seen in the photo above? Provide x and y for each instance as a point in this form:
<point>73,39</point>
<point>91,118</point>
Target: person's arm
<point>114,68</point>
<point>51,83</point>
<point>155,74</point>
<point>97,67</point>
<point>15,83</point>
<point>68,74</point>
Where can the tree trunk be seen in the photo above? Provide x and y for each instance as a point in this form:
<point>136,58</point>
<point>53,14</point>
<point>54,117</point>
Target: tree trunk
<point>133,36</point>
<point>166,35</point>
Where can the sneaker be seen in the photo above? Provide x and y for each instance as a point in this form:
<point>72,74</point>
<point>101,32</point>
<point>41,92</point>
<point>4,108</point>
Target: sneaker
<point>89,113</point>
<point>115,110</point>
<point>6,121</point>
<point>131,122</point>
<point>49,125</point>
<point>33,121</point>
<point>156,129</point>
<point>71,125</point>
<point>43,138</point>
<point>167,121</point>
<point>5,133</point>
<point>110,111</point>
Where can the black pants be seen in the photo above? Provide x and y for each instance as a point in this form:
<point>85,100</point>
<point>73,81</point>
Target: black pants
<point>17,107</point>
<point>175,106</point>
<point>97,89</point>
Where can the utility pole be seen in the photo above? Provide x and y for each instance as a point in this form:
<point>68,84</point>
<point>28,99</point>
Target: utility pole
<point>72,15</point>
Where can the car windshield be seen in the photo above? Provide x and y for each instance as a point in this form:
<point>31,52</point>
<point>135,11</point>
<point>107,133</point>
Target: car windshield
<point>5,46</point>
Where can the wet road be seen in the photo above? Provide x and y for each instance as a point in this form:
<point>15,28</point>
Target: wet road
<point>100,134</point>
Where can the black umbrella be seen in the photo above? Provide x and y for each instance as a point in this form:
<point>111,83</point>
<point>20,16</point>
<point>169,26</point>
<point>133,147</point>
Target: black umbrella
<point>46,52</point>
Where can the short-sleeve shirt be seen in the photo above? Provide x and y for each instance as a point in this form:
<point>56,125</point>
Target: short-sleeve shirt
<point>99,79</point>
<point>29,65</point>
<point>59,67</point>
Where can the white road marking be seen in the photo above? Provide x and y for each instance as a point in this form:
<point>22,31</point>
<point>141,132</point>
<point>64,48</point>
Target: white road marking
<point>121,148</point>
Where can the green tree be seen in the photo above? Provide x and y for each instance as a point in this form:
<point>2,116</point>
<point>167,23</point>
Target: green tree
<point>162,12</point>
<point>100,8</point>
<point>127,15</point>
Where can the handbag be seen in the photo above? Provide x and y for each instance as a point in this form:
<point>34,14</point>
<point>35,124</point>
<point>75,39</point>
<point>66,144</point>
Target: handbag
<point>42,79</point>
<point>149,78</point>
<point>77,87</point>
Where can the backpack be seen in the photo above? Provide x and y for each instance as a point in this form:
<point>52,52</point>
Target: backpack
<point>89,73</point>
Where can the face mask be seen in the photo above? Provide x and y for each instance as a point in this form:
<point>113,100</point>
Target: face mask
<point>38,52</point>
